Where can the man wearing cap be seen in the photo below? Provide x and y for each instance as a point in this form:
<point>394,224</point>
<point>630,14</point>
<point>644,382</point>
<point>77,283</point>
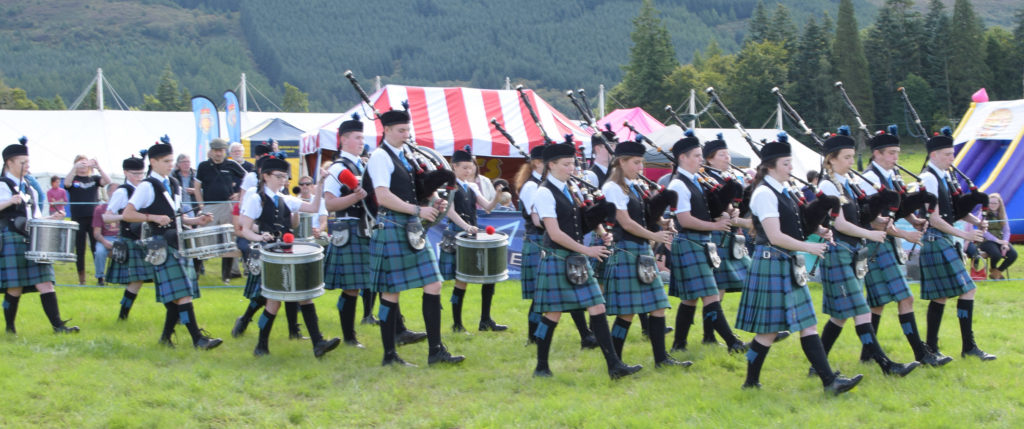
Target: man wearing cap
<point>399,258</point>
<point>236,152</point>
<point>127,265</point>
<point>218,179</point>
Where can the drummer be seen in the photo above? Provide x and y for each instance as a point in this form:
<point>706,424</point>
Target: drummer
<point>462,217</point>
<point>132,270</point>
<point>270,211</point>
<point>18,274</point>
<point>175,277</point>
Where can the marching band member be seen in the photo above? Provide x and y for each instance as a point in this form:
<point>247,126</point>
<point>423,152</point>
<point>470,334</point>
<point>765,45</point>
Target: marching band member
<point>127,265</point>
<point>462,217</point>
<point>772,300</point>
<point>602,158</point>
<point>156,201</point>
<point>527,180</point>
<point>565,257</point>
<point>17,273</point>
<point>271,212</point>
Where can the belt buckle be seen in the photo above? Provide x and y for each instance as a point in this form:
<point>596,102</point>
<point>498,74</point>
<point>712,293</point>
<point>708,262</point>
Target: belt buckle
<point>766,254</point>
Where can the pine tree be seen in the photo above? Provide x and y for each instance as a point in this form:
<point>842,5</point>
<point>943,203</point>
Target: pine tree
<point>759,67</point>
<point>759,24</point>
<point>782,29</point>
<point>15,98</point>
<point>294,99</point>
<point>851,67</point>
<point>651,59</point>
<point>893,51</point>
<point>167,97</point>
<point>1005,81</point>
<point>968,71</point>
<point>810,76</point>
<point>935,55</point>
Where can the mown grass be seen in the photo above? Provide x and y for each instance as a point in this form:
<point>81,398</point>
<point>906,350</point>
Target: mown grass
<point>113,374</point>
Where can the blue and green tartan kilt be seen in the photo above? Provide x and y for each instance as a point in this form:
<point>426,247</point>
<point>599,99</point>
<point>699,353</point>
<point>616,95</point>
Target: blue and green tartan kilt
<point>597,264</point>
<point>135,269</point>
<point>445,260</point>
<point>692,275</point>
<point>530,261</point>
<point>554,292</point>
<point>770,302</point>
<point>253,286</point>
<point>842,294</point>
<point>884,281</point>
<point>394,265</point>
<point>732,273</point>
<point>348,267</point>
<point>943,274</point>
<point>623,290</point>
<point>175,279</point>
<point>16,270</point>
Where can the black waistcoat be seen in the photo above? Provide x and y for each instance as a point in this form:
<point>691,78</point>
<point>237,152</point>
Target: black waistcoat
<point>569,217</point>
<point>851,211</point>
<point>125,228</point>
<point>530,228</point>
<point>601,175</point>
<point>789,219</point>
<point>276,220</point>
<point>637,212</point>
<point>402,183</point>
<point>17,210</point>
<point>464,204</point>
<point>698,205</point>
<point>160,205</point>
<point>945,197</point>
<point>356,210</point>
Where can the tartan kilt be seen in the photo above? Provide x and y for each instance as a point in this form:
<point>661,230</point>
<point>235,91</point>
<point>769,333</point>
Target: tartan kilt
<point>446,265</point>
<point>16,270</point>
<point>732,273</point>
<point>943,274</point>
<point>175,279</point>
<point>394,266</point>
<point>623,291</point>
<point>253,286</point>
<point>135,269</point>
<point>842,295</point>
<point>598,265</point>
<point>692,275</point>
<point>884,282</point>
<point>348,267</point>
<point>530,261</point>
<point>770,302</point>
<point>554,292</point>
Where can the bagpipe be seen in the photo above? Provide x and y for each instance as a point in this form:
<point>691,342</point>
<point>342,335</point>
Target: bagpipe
<point>820,212</point>
<point>964,201</point>
<point>433,176</point>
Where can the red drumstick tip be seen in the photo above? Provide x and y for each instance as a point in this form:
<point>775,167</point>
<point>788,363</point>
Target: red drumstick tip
<point>489,229</point>
<point>288,238</point>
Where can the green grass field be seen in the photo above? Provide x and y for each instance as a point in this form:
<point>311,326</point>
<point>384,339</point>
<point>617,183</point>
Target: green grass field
<point>113,374</point>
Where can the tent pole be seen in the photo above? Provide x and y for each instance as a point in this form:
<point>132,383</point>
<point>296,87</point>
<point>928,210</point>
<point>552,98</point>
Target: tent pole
<point>693,106</point>
<point>600,100</point>
<point>242,91</point>
<point>376,83</point>
<point>316,168</point>
<point>99,89</point>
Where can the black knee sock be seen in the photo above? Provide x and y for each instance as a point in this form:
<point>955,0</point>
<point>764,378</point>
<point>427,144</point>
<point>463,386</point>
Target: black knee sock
<point>486,298</point>
<point>876,319</point>
<point>865,351</point>
<point>10,310</point>
<point>755,359</point>
<point>869,340</point>
<point>684,318</point>
<point>347,315</point>
<point>708,325</point>
<point>225,268</point>
<point>908,322</point>
<point>458,295</point>
<point>533,319</point>
<point>544,333</point>
<point>399,319</point>
<point>644,321</point>
<point>49,301</point>
<point>965,314</point>
<point>126,303</point>
<point>291,312</point>
<point>170,320</point>
<point>368,298</point>
<point>657,336</point>
<point>580,320</point>
<point>432,319</point>
<point>599,326</point>
<point>829,335</point>
<point>719,322</point>
<point>266,323</point>
<point>934,321</point>
<point>816,355</point>
<point>312,322</point>
<point>620,329</point>
<point>187,317</point>
<point>254,306</point>
<point>388,315</point>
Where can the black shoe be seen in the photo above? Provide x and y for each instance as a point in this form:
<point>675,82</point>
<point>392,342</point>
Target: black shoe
<point>752,386</point>
<point>865,356</point>
<point>354,343</point>
<point>622,370</point>
<point>589,342</point>
<point>671,361</point>
<point>323,346</point>
<point>166,341</point>
<point>11,331</point>
<point>207,343</point>
<point>295,333</point>
<point>812,373</point>
<point>543,373</point>
<point>441,355</point>
<point>739,347</point>
<point>370,320</point>
<point>938,354</point>
<point>900,369</point>
<point>935,359</point>
<point>710,342</point>
<point>976,352</point>
<point>394,359</point>
<point>241,323</point>
<point>530,341</point>
<point>781,336</point>
<point>680,348</point>
<point>100,282</point>
<point>491,325</point>
<point>409,337</point>
<point>669,329</point>
<point>260,351</point>
<point>458,328</point>
<point>843,384</point>
<point>63,328</point>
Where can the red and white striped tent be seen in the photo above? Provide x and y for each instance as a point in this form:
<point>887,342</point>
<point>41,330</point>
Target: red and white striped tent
<point>448,118</point>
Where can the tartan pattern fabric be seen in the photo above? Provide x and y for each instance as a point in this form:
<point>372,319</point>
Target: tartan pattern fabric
<point>732,273</point>
<point>16,270</point>
<point>135,269</point>
<point>623,291</point>
<point>555,293</point>
<point>348,267</point>
<point>943,274</point>
<point>446,264</point>
<point>598,266</point>
<point>253,286</point>
<point>770,302</point>
<point>529,264</point>
<point>394,266</point>
<point>692,275</point>
<point>884,282</point>
<point>842,294</point>
<point>175,279</point>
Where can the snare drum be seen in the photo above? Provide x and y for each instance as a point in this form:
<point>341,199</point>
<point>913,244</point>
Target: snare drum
<point>51,240</point>
<point>304,232</point>
<point>292,273</point>
<point>207,242</point>
<point>482,258</point>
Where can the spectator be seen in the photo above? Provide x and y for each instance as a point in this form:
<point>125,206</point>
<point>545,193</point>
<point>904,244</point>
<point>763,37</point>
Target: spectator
<point>997,238</point>
<point>812,178</point>
<point>484,184</point>
<point>186,175</point>
<point>218,180</point>
<point>105,234</point>
<point>83,192</point>
<point>236,152</point>
<point>56,196</point>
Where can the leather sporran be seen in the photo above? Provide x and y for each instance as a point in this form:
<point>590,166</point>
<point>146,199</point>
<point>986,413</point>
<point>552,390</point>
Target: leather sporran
<point>119,252</point>
<point>576,270</point>
<point>416,235</point>
<point>798,264</point>
<point>711,250</point>
<point>646,269</point>
<point>739,247</point>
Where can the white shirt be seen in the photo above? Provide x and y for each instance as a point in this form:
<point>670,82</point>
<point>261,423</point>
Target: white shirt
<point>680,188</point>
<point>873,178</point>
<point>380,165</point>
<point>590,177</point>
<point>252,205</point>
<point>249,181</point>
<point>527,193</point>
<point>119,199</point>
<point>613,193</point>
<point>332,184</point>
<point>828,187</point>
<point>5,193</point>
<point>143,196</point>
<point>931,183</point>
<point>544,200</point>
<point>763,202</point>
